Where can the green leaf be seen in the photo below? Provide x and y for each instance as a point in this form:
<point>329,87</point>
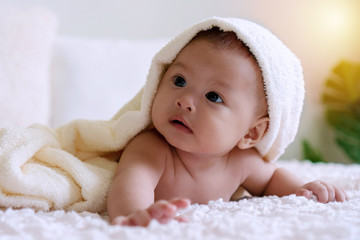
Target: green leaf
<point>347,130</point>
<point>342,100</point>
<point>352,149</point>
<point>347,121</point>
<point>310,153</point>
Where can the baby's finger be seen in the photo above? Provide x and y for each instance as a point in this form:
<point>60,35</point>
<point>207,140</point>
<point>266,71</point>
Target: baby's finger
<point>180,203</point>
<point>330,192</point>
<point>303,192</point>
<point>139,218</point>
<point>340,194</point>
<point>181,219</point>
<point>162,211</point>
<point>320,191</point>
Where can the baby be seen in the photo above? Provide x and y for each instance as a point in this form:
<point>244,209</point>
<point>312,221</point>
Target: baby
<point>208,115</point>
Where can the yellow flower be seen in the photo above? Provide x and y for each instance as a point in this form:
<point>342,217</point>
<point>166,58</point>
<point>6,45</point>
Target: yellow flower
<point>343,86</point>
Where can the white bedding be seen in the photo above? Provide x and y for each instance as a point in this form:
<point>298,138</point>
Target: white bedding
<point>254,218</point>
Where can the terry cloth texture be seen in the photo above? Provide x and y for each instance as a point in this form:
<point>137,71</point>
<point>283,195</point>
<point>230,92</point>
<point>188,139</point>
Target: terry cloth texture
<point>69,167</point>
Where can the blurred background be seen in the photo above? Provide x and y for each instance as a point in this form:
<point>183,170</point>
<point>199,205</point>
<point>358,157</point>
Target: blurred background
<point>320,32</point>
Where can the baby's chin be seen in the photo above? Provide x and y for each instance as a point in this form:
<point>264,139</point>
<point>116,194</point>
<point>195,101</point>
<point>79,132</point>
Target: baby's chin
<point>178,145</point>
<point>198,150</point>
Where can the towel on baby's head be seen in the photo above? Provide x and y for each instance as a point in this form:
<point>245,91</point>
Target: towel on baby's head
<point>69,167</point>
<point>281,70</point>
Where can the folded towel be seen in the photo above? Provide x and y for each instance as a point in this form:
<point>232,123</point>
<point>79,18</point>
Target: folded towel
<point>71,167</point>
<point>35,172</point>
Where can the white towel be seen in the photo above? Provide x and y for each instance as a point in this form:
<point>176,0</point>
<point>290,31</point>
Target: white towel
<point>281,70</point>
<point>69,168</point>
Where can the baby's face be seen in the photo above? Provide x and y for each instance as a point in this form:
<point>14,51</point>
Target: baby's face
<point>206,99</point>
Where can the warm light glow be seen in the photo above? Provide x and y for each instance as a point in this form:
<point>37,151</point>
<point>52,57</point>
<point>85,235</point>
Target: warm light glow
<point>336,17</point>
<point>335,27</point>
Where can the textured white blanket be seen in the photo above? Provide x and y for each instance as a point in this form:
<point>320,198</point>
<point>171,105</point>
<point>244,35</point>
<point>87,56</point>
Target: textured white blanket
<point>254,218</point>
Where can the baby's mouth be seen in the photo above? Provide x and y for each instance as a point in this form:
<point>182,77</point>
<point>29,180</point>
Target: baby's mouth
<point>180,125</point>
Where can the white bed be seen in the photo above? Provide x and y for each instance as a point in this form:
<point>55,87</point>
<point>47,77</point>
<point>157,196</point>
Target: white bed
<point>56,79</point>
<point>271,217</point>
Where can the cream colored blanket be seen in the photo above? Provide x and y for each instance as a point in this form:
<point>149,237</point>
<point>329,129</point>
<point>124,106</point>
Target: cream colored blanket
<point>71,167</point>
<point>67,168</point>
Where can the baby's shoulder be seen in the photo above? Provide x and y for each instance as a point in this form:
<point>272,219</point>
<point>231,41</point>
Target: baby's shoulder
<point>146,152</point>
<point>150,138</point>
<point>249,163</point>
<point>248,157</point>
<point>249,153</point>
<point>148,143</point>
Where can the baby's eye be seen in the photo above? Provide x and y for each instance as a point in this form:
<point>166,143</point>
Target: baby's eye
<point>214,97</point>
<point>179,81</point>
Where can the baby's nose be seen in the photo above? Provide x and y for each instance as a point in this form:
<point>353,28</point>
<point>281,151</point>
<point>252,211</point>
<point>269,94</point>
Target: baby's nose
<point>185,103</point>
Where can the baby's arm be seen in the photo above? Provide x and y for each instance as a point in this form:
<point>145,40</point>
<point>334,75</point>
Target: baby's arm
<point>284,182</point>
<point>131,197</point>
<point>266,179</point>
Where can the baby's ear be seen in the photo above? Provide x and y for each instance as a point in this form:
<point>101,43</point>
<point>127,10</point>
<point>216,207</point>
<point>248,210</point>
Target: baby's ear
<point>255,133</point>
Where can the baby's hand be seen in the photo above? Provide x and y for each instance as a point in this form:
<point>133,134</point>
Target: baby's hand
<point>324,192</point>
<point>162,211</point>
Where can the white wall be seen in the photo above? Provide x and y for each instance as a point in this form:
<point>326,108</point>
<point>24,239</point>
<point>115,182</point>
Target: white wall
<point>303,25</point>
<point>131,18</point>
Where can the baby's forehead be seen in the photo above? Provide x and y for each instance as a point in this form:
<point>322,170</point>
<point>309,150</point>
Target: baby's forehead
<point>227,40</point>
<point>241,72</point>
<point>224,40</point>
<point>242,58</point>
